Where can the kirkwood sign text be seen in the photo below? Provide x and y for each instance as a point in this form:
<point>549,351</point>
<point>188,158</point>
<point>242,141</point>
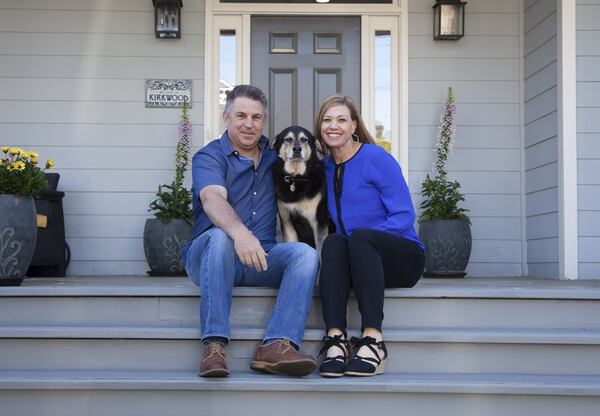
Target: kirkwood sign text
<point>168,93</point>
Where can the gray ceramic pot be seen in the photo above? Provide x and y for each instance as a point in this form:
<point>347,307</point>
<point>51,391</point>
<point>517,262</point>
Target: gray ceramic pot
<point>162,244</point>
<point>447,247</point>
<point>18,235</point>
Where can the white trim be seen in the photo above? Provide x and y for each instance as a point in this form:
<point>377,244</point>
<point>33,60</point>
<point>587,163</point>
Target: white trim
<point>367,78</point>
<point>246,47</point>
<point>302,8</point>
<point>567,139</point>
<point>369,26</point>
<point>208,57</point>
<point>524,259</point>
<point>404,107</point>
<point>390,17</point>
<point>214,25</point>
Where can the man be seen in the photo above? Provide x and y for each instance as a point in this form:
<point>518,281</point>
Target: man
<point>233,242</point>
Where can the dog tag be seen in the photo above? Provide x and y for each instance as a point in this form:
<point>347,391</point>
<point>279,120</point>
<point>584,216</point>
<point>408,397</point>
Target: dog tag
<point>293,187</point>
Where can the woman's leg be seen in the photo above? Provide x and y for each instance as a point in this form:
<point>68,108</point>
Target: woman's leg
<point>334,285</point>
<point>334,282</point>
<point>378,260</point>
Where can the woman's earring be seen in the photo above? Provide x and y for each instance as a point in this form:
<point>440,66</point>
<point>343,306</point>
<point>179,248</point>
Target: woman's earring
<point>355,138</point>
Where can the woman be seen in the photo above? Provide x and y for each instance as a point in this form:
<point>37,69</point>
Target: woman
<point>375,246</point>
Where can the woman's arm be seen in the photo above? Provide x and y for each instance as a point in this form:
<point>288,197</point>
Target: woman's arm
<point>386,176</point>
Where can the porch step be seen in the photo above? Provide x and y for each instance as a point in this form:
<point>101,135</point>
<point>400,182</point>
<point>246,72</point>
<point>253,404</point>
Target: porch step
<point>168,302</point>
<point>459,350</point>
<point>517,384</point>
<point>183,393</point>
<point>128,346</point>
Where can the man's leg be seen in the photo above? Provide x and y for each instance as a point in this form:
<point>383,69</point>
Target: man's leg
<point>292,267</point>
<point>212,264</point>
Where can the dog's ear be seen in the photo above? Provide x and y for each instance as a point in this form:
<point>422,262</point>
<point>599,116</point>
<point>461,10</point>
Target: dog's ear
<point>319,147</point>
<point>273,142</point>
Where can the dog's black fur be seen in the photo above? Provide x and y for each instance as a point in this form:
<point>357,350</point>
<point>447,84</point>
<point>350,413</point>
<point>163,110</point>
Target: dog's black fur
<point>299,176</point>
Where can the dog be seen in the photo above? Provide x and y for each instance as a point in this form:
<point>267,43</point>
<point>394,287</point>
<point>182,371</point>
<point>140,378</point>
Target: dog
<point>299,177</point>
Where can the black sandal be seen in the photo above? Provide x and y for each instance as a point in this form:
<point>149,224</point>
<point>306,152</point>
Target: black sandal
<point>366,366</point>
<point>334,366</point>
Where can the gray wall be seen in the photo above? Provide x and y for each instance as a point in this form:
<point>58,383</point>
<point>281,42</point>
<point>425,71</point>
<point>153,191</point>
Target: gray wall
<point>484,70</point>
<point>541,146</point>
<point>588,136</point>
<point>72,87</point>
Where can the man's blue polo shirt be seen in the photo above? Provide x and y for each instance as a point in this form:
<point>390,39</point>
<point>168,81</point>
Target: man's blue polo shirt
<point>250,192</point>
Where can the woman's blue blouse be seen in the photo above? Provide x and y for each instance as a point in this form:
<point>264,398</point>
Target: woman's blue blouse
<point>370,192</point>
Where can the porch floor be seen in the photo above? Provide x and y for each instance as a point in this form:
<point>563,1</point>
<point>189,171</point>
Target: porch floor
<point>500,287</point>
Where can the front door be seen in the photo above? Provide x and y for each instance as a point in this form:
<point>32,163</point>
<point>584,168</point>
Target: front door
<point>298,61</point>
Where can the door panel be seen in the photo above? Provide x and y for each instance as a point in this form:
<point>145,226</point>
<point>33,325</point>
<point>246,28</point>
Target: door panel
<point>298,61</point>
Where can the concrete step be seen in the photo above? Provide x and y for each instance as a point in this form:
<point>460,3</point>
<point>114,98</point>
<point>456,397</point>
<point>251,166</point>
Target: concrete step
<point>414,350</point>
<point>171,302</point>
<point>183,393</point>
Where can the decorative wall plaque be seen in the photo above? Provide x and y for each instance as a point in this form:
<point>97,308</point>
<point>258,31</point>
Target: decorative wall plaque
<point>168,93</point>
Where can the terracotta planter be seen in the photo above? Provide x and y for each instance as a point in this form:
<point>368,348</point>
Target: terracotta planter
<point>162,245</point>
<point>18,235</point>
<point>447,247</point>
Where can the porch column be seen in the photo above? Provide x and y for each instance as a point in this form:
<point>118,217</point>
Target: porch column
<point>567,140</point>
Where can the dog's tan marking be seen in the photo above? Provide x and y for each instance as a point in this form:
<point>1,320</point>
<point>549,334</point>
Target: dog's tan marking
<point>306,209</point>
<point>294,167</point>
<point>288,231</point>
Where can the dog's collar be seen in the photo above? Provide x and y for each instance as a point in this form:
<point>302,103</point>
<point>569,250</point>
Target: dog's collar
<point>292,181</point>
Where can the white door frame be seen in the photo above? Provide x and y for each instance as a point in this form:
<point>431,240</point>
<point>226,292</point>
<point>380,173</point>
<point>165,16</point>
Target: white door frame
<point>374,17</point>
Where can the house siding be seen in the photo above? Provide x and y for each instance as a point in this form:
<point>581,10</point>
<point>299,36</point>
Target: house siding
<point>72,82</point>
<point>541,137</point>
<point>588,137</point>
<point>72,76</point>
<point>487,154</point>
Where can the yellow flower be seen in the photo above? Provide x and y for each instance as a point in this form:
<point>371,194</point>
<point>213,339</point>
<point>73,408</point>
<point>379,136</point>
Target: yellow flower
<point>10,167</point>
<point>386,144</point>
<point>19,165</point>
<point>33,161</point>
<point>24,155</point>
<point>13,151</point>
<point>33,155</point>
<point>4,149</point>
<point>49,164</point>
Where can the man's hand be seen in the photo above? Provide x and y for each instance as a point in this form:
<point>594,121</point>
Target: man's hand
<point>250,251</point>
<point>247,246</point>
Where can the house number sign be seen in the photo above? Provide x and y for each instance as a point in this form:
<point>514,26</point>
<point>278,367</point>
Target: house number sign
<point>168,93</point>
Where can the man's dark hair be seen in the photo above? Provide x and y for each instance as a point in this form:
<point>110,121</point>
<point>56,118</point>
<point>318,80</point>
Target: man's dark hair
<point>248,91</point>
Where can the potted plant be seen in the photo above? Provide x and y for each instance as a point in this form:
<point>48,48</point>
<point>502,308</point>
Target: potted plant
<point>444,226</point>
<point>172,228</point>
<point>21,179</point>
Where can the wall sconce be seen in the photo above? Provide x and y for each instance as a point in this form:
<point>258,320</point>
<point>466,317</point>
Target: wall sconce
<point>167,18</point>
<point>448,20</point>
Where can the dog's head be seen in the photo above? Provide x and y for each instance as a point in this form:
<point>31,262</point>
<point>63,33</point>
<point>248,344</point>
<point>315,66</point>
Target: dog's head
<point>295,144</point>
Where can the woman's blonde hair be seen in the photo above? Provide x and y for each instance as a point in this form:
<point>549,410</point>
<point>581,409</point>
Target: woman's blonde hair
<point>338,99</point>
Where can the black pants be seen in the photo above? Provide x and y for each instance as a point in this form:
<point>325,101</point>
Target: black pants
<point>368,261</point>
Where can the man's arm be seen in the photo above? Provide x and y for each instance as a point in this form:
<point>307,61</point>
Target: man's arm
<point>220,212</point>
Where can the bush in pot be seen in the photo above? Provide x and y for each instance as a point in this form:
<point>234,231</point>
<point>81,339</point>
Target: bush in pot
<point>172,227</point>
<point>21,179</point>
<point>444,226</point>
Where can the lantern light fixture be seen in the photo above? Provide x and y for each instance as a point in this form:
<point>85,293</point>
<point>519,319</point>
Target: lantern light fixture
<point>448,19</point>
<point>167,18</point>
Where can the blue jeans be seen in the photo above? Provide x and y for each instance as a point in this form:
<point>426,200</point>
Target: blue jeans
<point>214,266</point>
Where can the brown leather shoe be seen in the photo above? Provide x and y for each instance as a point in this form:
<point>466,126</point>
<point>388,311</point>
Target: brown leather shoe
<point>281,357</point>
<point>213,362</point>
